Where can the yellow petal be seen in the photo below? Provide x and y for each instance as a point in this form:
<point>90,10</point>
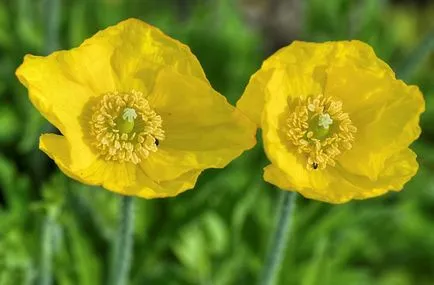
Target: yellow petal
<point>167,164</point>
<point>398,170</point>
<point>123,57</point>
<point>202,129</point>
<point>334,185</point>
<point>285,84</point>
<point>168,188</point>
<point>72,157</point>
<point>62,84</point>
<point>338,186</point>
<point>307,59</point>
<point>127,179</point>
<point>123,178</point>
<point>275,176</point>
<point>56,90</point>
<point>252,101</point>
<point>140,51</point>
<point>385,111</point>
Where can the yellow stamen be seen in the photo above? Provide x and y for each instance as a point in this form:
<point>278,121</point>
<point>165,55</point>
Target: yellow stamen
<point>124,127</point>
<point>319,129</point>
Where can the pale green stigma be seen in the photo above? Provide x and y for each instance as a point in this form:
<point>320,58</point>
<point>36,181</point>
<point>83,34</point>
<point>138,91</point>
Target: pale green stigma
<point>126,122</point>
<point>130,115</point>
<point>324,120</point>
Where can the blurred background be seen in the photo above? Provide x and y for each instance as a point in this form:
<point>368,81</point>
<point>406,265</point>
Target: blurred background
<point>217,233</point>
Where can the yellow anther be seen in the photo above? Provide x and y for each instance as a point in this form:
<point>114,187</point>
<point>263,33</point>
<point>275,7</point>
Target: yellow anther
<point>319,129</point>
<point>124,127</point>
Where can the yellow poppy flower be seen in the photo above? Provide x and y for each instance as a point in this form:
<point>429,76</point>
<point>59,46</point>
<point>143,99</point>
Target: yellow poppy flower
<point>335,121</point>
<point>136,112</point>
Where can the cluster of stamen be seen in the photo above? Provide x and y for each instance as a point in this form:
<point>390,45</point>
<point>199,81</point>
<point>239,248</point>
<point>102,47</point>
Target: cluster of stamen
<point>319,129</point>
<point>124,127</point>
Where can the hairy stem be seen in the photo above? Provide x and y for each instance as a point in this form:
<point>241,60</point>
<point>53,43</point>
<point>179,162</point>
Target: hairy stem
<point>276,252</point>
<point>123,244</point>
<point>46,276</point>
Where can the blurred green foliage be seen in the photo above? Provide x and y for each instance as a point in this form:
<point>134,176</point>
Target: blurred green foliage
<point>217,233</point>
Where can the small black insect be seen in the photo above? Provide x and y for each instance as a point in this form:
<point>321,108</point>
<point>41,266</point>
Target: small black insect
<point>314,165</point>
<point>157,142</point>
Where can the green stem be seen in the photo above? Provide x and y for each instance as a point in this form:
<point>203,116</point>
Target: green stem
<point>277,250</point>
<point>45,277</point>
<point>51,25</point>
<point>123,244</point>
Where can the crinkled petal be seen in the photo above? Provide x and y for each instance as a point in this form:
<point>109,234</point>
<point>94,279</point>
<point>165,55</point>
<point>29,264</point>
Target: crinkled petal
<point>338,186</point>
<point>123,178</point>
<point>275,176</point>
<point>71,157</point>
<point>123,57</point>
<point>307,59</point>
<point>252,101</point>
<point>168,164</point>
<point>385,111</point>
<point>128,179</point>
<point>140,51</point>
<point>202,129</point>
<point>398,170</point>
<point>287,84</point>
<point>58,87</point>
<point>333,185</point>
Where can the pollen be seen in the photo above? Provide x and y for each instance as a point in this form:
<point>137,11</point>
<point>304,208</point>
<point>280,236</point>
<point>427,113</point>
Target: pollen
<point>319,129</point>
<point>124,128</point>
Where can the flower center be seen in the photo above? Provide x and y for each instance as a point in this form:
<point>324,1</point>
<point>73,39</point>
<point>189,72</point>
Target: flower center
<point>319,129</point>
<point>124,128</point>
